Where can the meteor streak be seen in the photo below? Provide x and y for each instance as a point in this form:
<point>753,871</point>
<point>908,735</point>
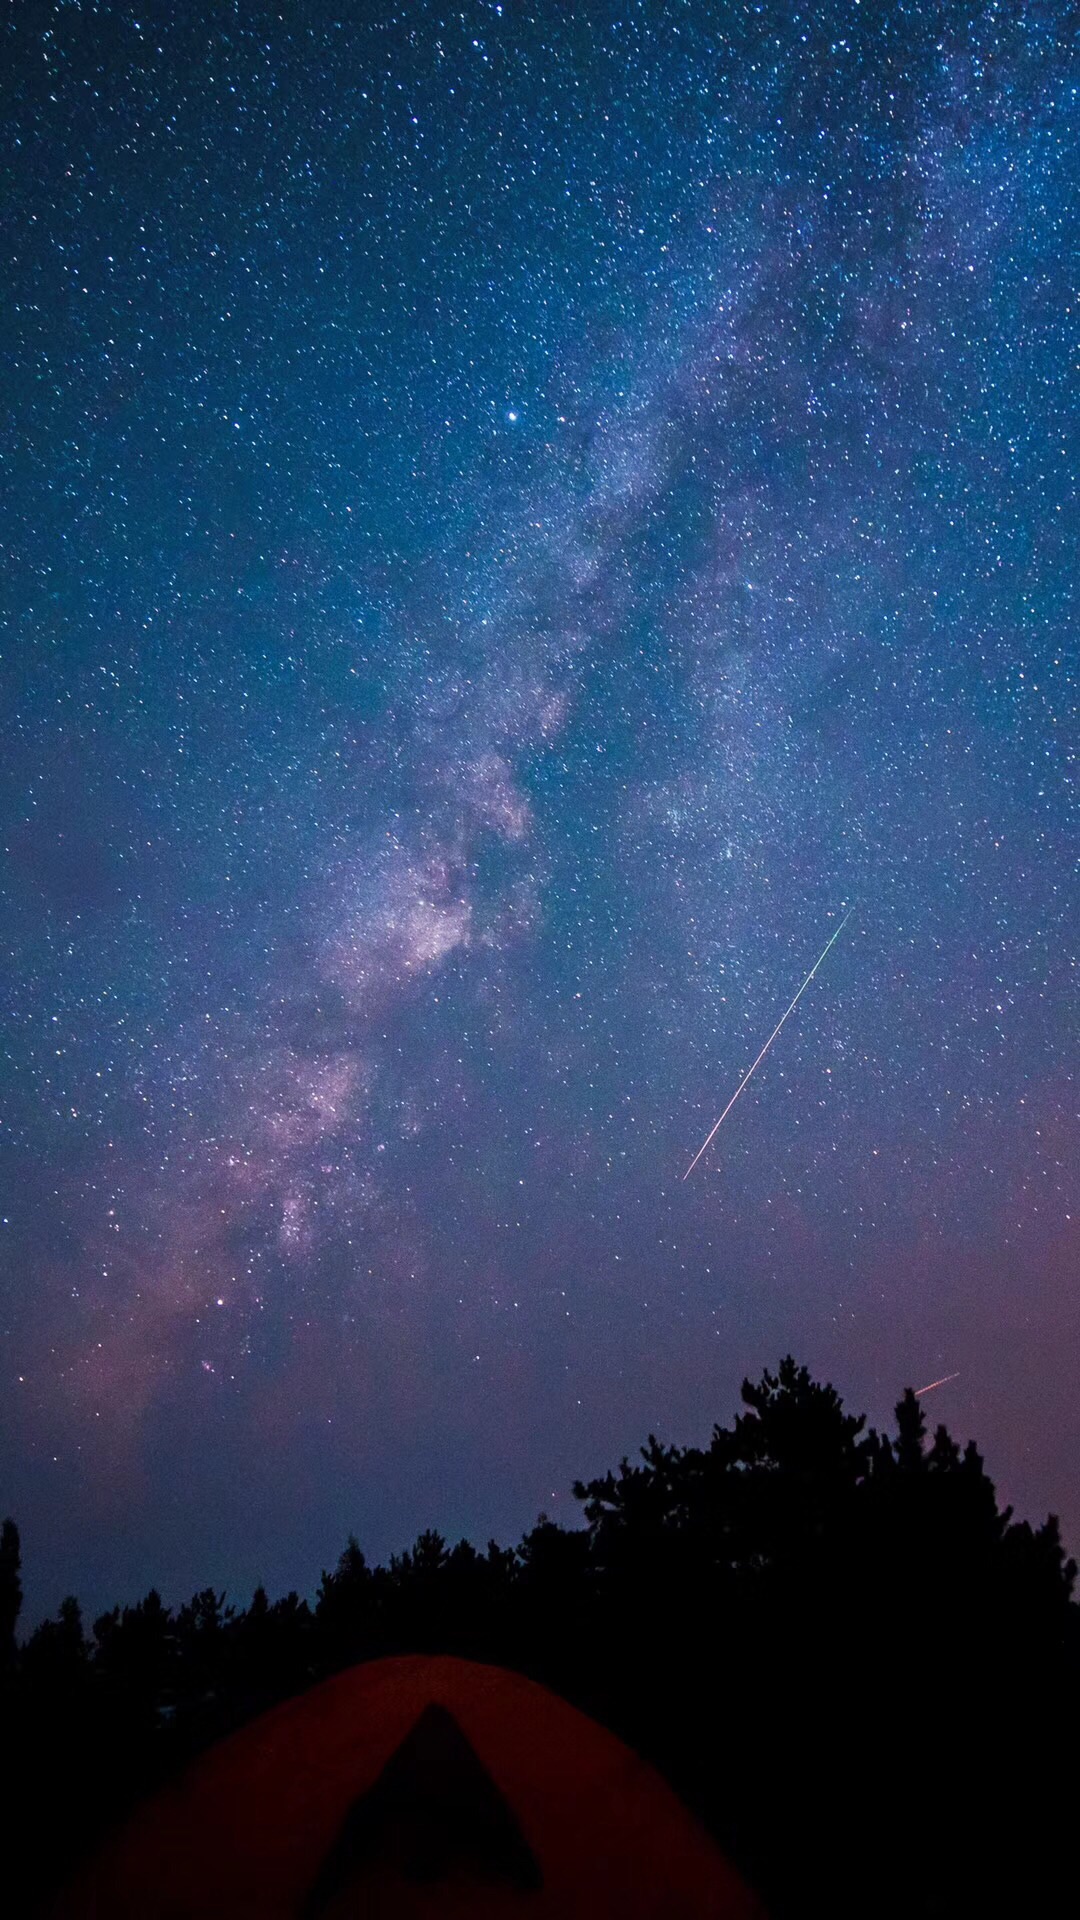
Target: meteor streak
<point>748,1075</point>
<point>943,1382</point>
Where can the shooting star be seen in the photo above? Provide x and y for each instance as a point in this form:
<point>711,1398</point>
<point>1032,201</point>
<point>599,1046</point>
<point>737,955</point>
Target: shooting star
<point>748,1075</point>
<point>943,1382</point>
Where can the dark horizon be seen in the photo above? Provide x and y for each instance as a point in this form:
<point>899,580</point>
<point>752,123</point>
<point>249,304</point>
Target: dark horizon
<point>191,1557</point>
<point>770,1620</point>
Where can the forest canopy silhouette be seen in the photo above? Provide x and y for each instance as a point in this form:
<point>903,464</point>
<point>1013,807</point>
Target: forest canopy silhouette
<point>859,1671</point>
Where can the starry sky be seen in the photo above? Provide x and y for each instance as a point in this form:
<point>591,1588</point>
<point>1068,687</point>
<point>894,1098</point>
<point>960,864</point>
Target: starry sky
<point>514,521</point>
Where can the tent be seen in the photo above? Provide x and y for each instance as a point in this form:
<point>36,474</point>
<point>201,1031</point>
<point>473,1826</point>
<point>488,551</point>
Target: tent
<point>411,1788</point>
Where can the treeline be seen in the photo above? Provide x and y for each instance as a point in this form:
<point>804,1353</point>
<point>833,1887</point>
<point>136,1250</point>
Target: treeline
<point>861,1673</point>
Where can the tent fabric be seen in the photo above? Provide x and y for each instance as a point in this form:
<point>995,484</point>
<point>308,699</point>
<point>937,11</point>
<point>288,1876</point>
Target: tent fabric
<point>415,1788</point>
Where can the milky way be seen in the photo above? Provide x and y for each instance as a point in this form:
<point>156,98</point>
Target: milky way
<point>506,516</point>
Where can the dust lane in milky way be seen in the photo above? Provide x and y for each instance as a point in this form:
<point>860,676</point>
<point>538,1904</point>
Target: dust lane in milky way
<point>509,515</point>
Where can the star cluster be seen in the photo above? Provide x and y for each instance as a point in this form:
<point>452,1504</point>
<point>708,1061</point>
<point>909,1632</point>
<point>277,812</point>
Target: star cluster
<point>516,520</point>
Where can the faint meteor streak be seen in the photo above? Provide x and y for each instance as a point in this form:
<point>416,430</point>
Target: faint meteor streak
<point>943,1382</point>
<point>748,1075</point>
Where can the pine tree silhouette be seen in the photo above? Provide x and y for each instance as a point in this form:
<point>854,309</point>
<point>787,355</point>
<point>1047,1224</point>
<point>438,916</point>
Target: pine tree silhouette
<point>10,1594</point>
<point>854,1665</point>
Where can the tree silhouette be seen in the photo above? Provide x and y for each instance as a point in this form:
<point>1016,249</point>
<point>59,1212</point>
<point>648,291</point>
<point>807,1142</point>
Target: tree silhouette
<point>56,1658</point>
<point>855,1666</point>
<point>10,1593</point>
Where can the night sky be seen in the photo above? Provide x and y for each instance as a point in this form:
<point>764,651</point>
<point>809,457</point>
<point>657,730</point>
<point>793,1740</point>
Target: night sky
<point>512,524</point>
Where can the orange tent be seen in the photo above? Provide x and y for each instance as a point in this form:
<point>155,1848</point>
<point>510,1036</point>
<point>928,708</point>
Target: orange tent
<point>415,1787</point>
